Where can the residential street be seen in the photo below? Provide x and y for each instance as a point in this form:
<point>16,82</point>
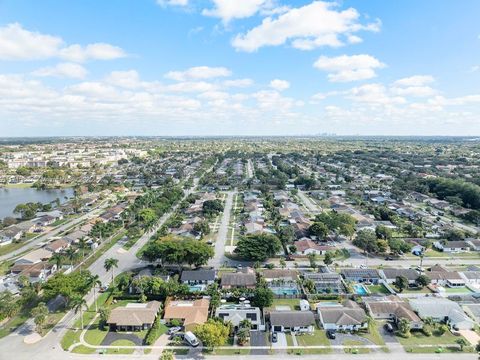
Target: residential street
<point>219,258</point>
<point>312,208</point>
<point>33,243</point>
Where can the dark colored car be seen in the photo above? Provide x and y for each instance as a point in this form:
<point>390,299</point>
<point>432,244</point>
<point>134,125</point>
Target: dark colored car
<point>274,337</point>
<point>388,327</point>
<point>331,334</point>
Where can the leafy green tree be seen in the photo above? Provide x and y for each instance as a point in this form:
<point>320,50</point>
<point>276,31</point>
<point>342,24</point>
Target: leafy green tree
<point>313,260</point>
<point>404,327</point>
<point>462,343</point>
<point>213,333</point>
<point>263,297</point>
<point>401,282</point>
<point>40,313</point>
<point>366,240</point>
<point>318,229</point>
<point>329,257</point>
<point>258,247</point>
<point>423,280</point>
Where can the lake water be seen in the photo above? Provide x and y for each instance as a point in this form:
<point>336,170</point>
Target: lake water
<point>11,197</point>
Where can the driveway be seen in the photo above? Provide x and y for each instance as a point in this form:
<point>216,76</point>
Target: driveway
<point>113,336</point>
<point>281,341</point>
<point>471,336</point>
<point>258,338</point>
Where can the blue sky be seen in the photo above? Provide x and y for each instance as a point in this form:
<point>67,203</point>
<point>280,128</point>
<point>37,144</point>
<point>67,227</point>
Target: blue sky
<point>230,67</point>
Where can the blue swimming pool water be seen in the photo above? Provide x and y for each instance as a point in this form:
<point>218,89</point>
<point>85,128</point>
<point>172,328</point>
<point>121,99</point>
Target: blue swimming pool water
<point>360,289</point>
<point>194,288</point>
<point>284,291</point>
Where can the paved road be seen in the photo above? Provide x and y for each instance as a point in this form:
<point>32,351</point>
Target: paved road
<point>49,346</point>
<point>219,258</point>
<point>311,206</point>
<point>249,169</point>
<point>36,241</point>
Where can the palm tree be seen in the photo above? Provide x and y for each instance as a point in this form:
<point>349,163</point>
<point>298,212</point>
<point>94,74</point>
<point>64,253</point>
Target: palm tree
<point>71,255</point>
<point>79,304</point>
<point>56,259</point>
<point>110,264</point>
<point>94,281</point>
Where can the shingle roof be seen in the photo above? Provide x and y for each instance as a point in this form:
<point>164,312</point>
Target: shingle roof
<point>291,318</point>
<point>198,275</point>
<point>134,316</point>
<point>238,279</point>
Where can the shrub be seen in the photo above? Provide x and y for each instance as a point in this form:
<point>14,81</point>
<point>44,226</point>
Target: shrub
<point>154,332</point>
<point>427,330</point>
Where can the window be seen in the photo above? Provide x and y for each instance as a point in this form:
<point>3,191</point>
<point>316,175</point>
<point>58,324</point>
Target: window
<point>252,316</point>
<point>222,315</point>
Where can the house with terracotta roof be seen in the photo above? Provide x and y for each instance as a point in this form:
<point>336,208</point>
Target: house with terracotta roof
<point>307,246</point>
<point>134,316</point>
<point>190,312</point>
<point>394,309</point>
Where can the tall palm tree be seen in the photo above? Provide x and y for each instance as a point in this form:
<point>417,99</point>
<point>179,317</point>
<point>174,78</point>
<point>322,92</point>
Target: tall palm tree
<point>56,259</point>
<point>110,264</point>
<point>94,281</point>
<point>71,255</point>
<point>79,304</point>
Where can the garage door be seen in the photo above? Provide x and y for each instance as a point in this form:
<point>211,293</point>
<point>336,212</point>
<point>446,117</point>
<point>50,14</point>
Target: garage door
<point>277,328</point>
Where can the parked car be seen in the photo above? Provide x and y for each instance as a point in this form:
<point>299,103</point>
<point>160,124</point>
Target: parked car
<point>388,327</point>
<point>331,334</point>
<point>274,337</point>
<point>174,330</point>
<point>191,339</point>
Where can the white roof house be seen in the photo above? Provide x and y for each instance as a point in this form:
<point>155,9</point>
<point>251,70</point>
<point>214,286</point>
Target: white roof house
<point>440,309</point>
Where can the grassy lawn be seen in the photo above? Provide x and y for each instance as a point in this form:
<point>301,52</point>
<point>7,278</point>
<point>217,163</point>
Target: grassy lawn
<point>51,321</point>
<point>410,290</point>
<point>439,349</point>
<point>319,337</point>
<point>5,249</point>
<point>378,289</point>
<point>457,290</point>
<point>237,351</point>
<point>353,349</point>
<point>13,324</point>
<point>121,342</point>
<point>72,336</point>
<point>303,351</point>
<point>294,304</point>
<point>373,334</point>
<point>289,339</point>
<point>418,338</point>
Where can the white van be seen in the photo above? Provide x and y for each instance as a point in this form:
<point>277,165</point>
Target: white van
<point>191,339</point>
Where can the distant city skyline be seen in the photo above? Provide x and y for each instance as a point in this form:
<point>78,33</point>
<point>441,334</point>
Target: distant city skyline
<point>250,67</point>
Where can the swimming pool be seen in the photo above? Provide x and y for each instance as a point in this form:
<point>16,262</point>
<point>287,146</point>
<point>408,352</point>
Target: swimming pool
<point>284,290</point>
<point>360,289</point>
<point>195,288</point>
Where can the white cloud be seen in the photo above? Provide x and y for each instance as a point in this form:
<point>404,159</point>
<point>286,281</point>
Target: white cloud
<point>172,2</point>
<point>98,51</point>
<point>63,70</point>
<point>125,79</point>
<point>415,86</point>
<point>416,80</point>
<point>346,68</point>
<point>228,10</point>
<point>279,85</point>
<point>308,27</point>
<point>238,83</point>
<point>198,72</point>
<point>17,43</point>
<point>374,94</point>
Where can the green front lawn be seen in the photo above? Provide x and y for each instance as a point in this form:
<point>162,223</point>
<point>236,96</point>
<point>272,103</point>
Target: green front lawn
<point>319,337</point>
<point>353,347</point>
<point>418,338</point>
<point>121,342</point>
